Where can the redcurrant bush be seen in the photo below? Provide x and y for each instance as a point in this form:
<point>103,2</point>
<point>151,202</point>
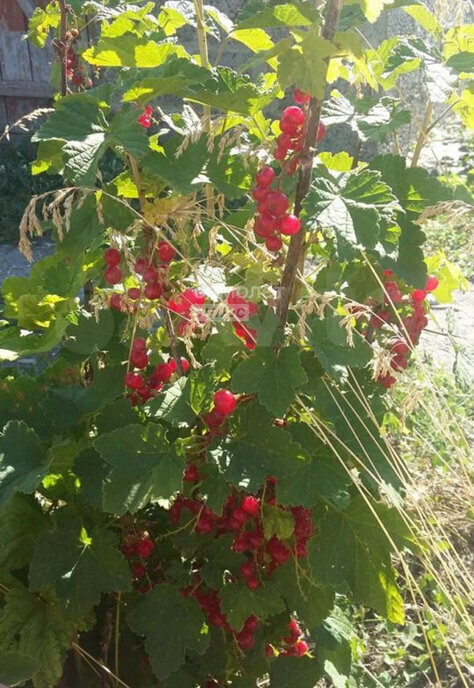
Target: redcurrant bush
<point>195,490</point>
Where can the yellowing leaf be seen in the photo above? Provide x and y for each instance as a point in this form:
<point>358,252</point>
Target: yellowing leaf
<point>130,51</point>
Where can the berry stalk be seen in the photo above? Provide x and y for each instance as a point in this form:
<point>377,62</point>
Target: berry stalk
<point>296,248</point>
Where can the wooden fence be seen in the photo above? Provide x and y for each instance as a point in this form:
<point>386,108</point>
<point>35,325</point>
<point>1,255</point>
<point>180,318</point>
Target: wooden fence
<point>24,70</point>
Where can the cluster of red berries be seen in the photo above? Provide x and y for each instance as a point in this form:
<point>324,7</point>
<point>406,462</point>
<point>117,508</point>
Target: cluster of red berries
<point>242,516</point>
<point>292,645</point>
<point>290,141</point>
<point>142,388</point>
<point>413,318</point>
<point>145,117</point>
<point>138,549</point>
<point>225,404</point>
<point>273,221</point>
<point>189,306</point>
<point>242,311</point>
<point>151,273</point>
<point>75,72</point>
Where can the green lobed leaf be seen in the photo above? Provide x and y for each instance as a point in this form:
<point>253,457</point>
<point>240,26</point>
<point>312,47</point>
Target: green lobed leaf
<point>333,639</point>
<point>65,405</point>
<point>232,91</point>
<point>351,549</point>
<point>171,625</point>
<point>129,50</point>
<point>80,572</point>
<point>311,600</point>
<point>277,521</point>
<point>183,172</point>
<point>275,378</point>
<point>285,14</point>
<point>238,603</point>
<point>172,77</point>
<point>254,449</point>
<point>304,64</point>
<point>21,522</point>
<point>22,460</point>
<point>36,627</point>
<point>90,334</point>
<point>17,667</point>
<point>303,672</point>
<point>357,209</point>
<point>329,341</point>
<point>92,472</point>
<point>370,118</point>
<point>357,427</point>
<point>319,477</point>
<point>144,467</point>
<point>79,123</point>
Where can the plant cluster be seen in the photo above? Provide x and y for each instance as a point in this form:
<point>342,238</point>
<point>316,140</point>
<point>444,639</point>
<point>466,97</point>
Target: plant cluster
<point>199,479</point>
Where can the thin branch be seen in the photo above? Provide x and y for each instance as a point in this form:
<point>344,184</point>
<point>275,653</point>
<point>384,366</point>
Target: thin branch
<point>63,44</point>
<point>205,62</point>
<point>296,248</point>
<point>424,128</point>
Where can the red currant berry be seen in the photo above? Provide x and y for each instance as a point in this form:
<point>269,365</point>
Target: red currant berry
<point>191,474</point>
<point>144,120</point>
<point>184,365</point>
<point>251,506</point>
<point>205,524</point>
<point>153,291</point>
<point>113,274</point>
<point>431,283</point>
<point>387,381</point>
<point>280,153</point>
<point>145,548</point>
<point>399,347</point>
<point>139,359</point>
<point>253,583</point>
<point>139,571</point>
<point>265,176</point>
<point>133,380</point>
<point>217,620</point>
<point>116,302</point>
<point>112,257</point>
<point>273,243</point>
<point>292,166</point>
<point>140,266</point>
<point>289,225</point>
<point>166,252</point>
<point>294,116</point>
<point>284,141</point>
<point>162,372</point>
<point>259,193</point>
<point>245,639</point>
<point>301,97</point>
<point>214,419</point>
<point>276,203</point>
<point>266,224</point>
<point>418,295</point>
<point>246,570</point>
<point>134,293</point>
<point>225,402</point>
<point>150,274</point>
<point>301,648</point>
<point>139,344</point>
<point>301,551</point>
<point>252,623</point>
<point>255,539</point>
